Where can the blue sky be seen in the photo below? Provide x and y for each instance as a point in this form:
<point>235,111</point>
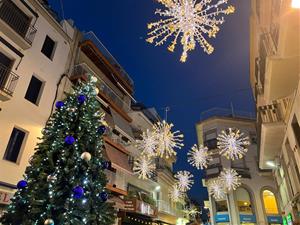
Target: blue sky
<point>161,80</point>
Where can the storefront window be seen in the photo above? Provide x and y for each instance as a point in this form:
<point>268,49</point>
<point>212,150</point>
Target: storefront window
<point>270,203</point>
<point>243,201</point>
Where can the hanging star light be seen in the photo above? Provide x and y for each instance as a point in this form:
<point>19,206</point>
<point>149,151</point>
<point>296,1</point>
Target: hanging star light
<point>199,157</point>
<point>231,179</point>
<point>184,180</point>
<point>233,144</point>
<point>190,20</point>
<point>147,145</point>
<point>175,194</point>
<point>144,167</point>
<point>167,140</point>
<point>216,189</point>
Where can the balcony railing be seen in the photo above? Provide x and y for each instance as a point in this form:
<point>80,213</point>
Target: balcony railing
<point>8,80</point>
<point>17,20</point>
<point>161,165</point>
<point>276,112</point>
<point>83,70</point>
<point>166,207</point>
<point>213,171</point>
<point>244,172</point>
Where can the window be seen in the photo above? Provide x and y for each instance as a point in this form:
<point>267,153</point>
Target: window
<point>48,47</point>
<point>210,139</point>
<point>5,65</point>
<point>14,145</point>
<point>33,92</point>
<point>296,129</point>
<point>270,203</point>
<point>244,201</point>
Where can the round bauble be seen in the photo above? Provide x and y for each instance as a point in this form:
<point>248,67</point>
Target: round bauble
<point>106,165</point>
<point>101,130</point>
<point>69,140</point>
<point>86,156</point>
<point>104,196</point>
<point>81,99</point>
<point>94,79</point>
<point>22,184</point>
<point>49,222</point>
<point>78,192</point>
<point>59,104</point>
<point>97,90</point>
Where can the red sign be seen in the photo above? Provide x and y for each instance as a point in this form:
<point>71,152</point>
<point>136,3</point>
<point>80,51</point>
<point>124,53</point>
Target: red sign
<point>5,197</point>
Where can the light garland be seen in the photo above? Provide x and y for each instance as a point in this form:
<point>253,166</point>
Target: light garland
<point>199,157</point>
<point>184,180</point>
<point>232,144</point>
<point>167,140</point>
<point>231,179</point>
<point>144,167</point>
<point>191,20</point>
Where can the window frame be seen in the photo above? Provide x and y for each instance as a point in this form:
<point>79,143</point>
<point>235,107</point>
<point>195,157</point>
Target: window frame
<point>37,103</point>
<point>53,50</point>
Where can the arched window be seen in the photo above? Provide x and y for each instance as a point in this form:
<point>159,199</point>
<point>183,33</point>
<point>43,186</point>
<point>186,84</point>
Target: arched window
<point>244,202</point>
<point>270,202</point>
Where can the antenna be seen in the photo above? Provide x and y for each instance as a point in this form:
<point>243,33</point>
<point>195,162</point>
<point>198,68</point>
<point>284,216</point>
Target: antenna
<point>167,109</point>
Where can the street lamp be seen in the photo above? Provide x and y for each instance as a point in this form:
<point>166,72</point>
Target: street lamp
<point>296,4</point>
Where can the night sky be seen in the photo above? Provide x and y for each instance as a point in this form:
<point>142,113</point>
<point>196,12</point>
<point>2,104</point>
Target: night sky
<point>203,82</point>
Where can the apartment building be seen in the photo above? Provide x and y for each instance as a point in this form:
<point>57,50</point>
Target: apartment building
<point>255,201</point>
<point>137,201</point>
<point>35,52</point>
<point>274,76</point>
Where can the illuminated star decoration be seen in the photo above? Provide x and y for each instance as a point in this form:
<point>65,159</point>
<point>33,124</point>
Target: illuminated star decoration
<point>147,144</point>
<point>167,140</point>
<point>175,194</point>
<point>144,167</point>
<point>199,157</point>
<point>231,179</point>
<point>216,189</point>
<point>191,21</point>
<point>184,180</point>
<point>233,144</point>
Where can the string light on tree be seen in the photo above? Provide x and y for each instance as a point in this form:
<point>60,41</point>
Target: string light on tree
<point>233,144</point>
<point>216,189</point>
<point>175,194</point>
<point>184,180</point>
<point>231,179</point>
<point>167,140</point>
<point>148,143</point>
<point>144,167</point>
<point>199,157</point>
<point>191,21</point>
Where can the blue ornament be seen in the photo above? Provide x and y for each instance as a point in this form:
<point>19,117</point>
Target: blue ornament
<point>81,99</point>
<point>22,184</point>
<point>69,140</point>
<point>106,165</point>
<point>78,192</point>
<point>101,130</point>
<point>104,196</point>
<point>59,104</point>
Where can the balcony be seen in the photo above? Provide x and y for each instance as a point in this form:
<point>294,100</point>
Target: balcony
<point>243,172</point>
<point>103,59</point>
<point>213,171</point>
<point>135,205</point>
<point>16,24</point>
<point>116,182</point>
<point>170,209</point>
<point>163,168</point>
<point>8,82</point>
<point>81,71</point>
<point>272,118</point>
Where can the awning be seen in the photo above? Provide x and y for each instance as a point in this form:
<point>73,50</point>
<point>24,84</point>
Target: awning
<point>118,158</point>
<point>121,124</point>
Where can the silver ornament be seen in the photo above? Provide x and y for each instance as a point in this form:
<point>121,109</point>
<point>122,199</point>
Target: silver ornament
<point>94,79</point>
<point>49,222</point>
<point>86,156</point>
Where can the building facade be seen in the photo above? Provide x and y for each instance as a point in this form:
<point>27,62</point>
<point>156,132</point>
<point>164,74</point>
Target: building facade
<point>255,201</point>
<point>35,52</point>
<point>274,76</point>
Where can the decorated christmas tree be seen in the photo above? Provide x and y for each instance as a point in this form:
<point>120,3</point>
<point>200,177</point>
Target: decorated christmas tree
<point>65,181</point>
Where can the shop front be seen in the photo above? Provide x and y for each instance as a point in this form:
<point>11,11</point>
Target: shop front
<point>247,219</point>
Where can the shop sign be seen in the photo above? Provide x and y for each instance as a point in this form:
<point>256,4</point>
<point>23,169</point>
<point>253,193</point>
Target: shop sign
<point>5,197</point>
<point>248,218</point>
<point>274,219</point>
<point>221,218</point>
<point>140,207</point>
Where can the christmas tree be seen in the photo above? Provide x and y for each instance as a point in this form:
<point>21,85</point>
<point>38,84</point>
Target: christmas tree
<point>65,181</point>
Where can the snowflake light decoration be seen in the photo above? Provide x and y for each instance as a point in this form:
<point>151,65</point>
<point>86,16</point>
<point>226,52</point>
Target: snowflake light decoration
<point>144,167</point>
<point>216,189</point>
<point>233,144</point>
<point>199,157</point>
<point>175,194</point>
<point>167,140</point>
<point>190,20</point>
<point>231,179</point>
<point>184,180</point>
<point>148,144</point>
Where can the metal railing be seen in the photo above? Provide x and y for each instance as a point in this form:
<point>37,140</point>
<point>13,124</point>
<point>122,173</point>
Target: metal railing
<point>17,20</point>
<point>161,165</point>
<point>8,80</point>
<point>243,171</point>
<point>166,207</point>
<point>83,70</point>
<point>92,37</point>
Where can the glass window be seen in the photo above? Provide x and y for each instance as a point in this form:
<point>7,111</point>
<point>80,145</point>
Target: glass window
<point>48,47</point>
<point>221,206</point>
<point>270,203</point>
<point>33,92</point>
<point>244,201</point>
<point>14,145</point>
